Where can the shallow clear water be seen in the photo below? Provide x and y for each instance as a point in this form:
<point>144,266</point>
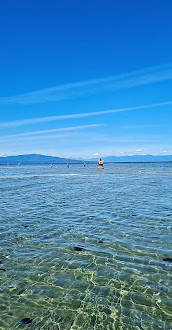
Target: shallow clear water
<point>121,217</point>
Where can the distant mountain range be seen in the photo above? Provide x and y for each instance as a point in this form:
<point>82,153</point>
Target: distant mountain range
<point>138,158</point>
<point>41,159</point>
<point>36,159</point>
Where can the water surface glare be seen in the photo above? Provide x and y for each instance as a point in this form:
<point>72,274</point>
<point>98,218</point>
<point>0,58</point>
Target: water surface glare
<point>84,249</point>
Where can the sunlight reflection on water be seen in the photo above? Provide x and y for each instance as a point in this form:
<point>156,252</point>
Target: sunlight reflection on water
<point>119,218</point>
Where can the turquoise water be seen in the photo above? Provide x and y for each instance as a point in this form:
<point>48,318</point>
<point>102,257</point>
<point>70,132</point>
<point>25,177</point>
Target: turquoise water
<point>120,217</point>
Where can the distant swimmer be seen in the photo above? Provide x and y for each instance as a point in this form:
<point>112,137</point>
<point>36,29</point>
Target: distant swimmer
<point>7,164</point>
<point>67,165</point>
<point>51,165</point>
<point>100,164</point>
<point>84,164</point>
<point>18,164</point>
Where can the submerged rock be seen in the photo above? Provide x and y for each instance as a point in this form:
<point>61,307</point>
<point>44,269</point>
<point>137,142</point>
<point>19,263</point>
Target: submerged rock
<point>26,320</point>
<point>24,226</point>
<point>77,248</point>
<point>167,259</point>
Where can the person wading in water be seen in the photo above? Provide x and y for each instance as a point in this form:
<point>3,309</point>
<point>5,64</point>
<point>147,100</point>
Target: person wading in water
<point>100,163</point>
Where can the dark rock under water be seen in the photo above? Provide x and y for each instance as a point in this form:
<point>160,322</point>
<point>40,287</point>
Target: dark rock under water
<point>26,320</point>
<point>167,259</point>
<point>24,226</point>
<point>77,248</point>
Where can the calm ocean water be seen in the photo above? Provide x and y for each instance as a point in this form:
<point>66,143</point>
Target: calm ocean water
<point>120,218</point>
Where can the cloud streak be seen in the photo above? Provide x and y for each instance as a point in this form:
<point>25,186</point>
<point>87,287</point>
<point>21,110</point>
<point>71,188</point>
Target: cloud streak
<point>79,115</point>
<point>65,129</point>
<point>83,88</point>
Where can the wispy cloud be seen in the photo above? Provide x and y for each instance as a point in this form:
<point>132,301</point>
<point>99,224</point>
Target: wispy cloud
<point>33,133</point>
<point>78,115</point>
<point>82,88</point>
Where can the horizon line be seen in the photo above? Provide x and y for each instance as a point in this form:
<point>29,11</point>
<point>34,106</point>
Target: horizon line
<point>92,157</point>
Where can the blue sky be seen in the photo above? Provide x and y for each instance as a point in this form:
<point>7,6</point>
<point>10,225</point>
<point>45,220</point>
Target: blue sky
<point>86,78</point>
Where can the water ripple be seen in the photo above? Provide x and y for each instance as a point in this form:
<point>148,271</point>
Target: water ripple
<point>84,249</point>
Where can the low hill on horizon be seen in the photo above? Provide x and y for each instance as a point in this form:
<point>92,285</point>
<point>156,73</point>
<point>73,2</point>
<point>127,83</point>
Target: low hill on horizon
<point>42,159</point>
<point>36,159</point>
